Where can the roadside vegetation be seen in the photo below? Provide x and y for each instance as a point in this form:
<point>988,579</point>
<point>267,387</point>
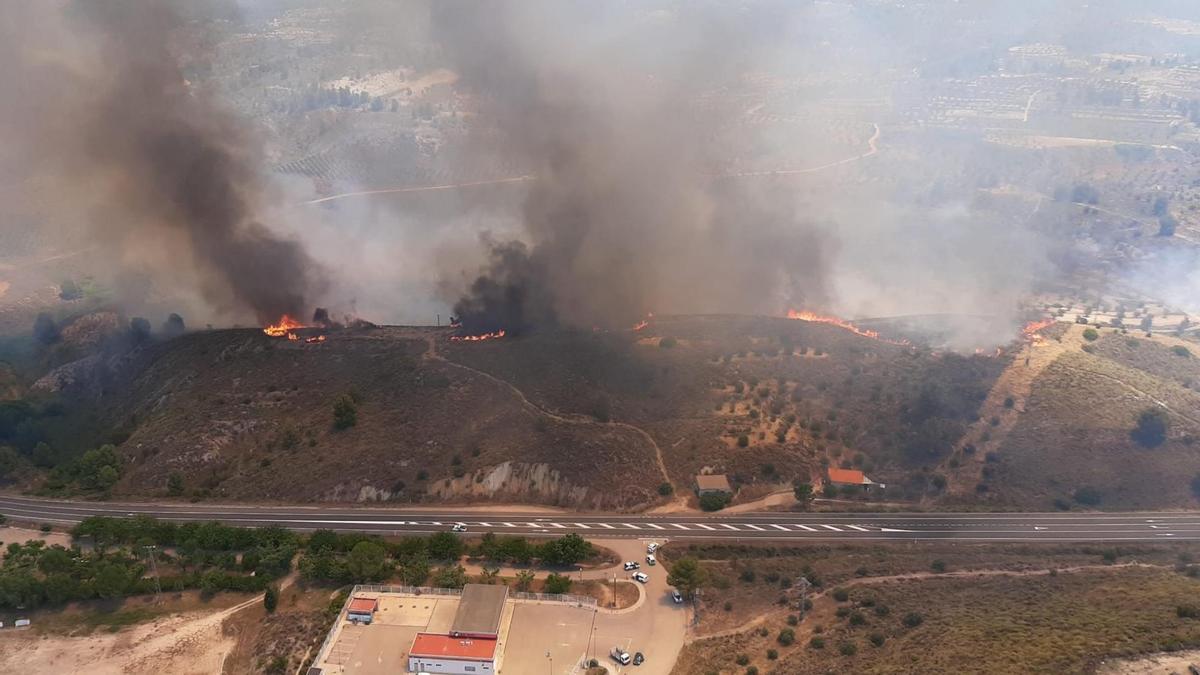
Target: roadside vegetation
<point>112,558</point>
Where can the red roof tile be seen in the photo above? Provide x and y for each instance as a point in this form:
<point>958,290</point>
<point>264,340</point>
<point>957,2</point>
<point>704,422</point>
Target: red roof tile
<point>847,476</point>
<point>439,645</point>
<point>363,605</point>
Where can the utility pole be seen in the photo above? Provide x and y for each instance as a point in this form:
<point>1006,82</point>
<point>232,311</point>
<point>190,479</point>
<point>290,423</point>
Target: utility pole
<point>592,635</point>
<point>803,585</point>
<point>154,570</point>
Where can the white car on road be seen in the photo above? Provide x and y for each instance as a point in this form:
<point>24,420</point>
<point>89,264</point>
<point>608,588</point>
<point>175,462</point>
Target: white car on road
<point>641,576</point>
<point>632,565</point>
<point>651,560</point>
<point>652,547</point>
<point>459,528</point>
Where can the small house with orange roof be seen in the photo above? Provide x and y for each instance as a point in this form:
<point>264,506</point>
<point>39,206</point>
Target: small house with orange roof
<point>851,477</point>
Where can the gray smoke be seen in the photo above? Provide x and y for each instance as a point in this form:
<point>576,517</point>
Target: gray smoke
<point>98,100</point>
<point>627,214</point>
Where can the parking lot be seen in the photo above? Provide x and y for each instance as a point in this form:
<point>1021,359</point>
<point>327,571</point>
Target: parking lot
<point>382,647</point>
<point>558,630</point>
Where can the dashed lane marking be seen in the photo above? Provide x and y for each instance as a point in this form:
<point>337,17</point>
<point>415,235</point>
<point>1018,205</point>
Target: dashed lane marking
<point>856,527</point>
<point>830,527</point>
<point>680,526</point>
<point>631,526</point>
<point>727,525</point>
<point>707,527</point>
<point>780,527</point>
<point>657,527</point>
<point>753,527</point>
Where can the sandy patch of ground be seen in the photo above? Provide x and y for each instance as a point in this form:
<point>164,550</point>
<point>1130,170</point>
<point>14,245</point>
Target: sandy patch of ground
<point>4,286</point>
<point>21,535</point>
<point>188,643</point>
<point>1157,664</point>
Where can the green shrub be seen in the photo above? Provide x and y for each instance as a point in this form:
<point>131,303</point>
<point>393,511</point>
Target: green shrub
<point>817,643</point>
<point>848,649</point>
<point>714,501</point>
<point>1188,611</point>
<point>877,639</point>
<point>742,660</point>
<point>744,440</point>
<point>841,594</point>
<point>1091,335</point>
<point>857,619</point>
<point>913,619</point>
<point>345,412</point>
<point>938,566</point>
<point>665,489</point>
<point>1180,350</point>
<point>772,654</point>
<point>793,620</point>
<point>786,637</point>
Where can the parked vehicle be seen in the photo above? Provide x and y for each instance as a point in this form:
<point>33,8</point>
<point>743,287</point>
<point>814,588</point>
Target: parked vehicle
<point>677,597</point>
<point>632,565</point>
<point>651,560</point>
<point>638,659</point>
<point>620,656</point>
<point>459,528</point>
<point>641,576</point>
<point>652,547</point>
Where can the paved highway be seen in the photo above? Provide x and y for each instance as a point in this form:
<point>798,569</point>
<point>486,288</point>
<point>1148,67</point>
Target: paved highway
<point>1175,526</point>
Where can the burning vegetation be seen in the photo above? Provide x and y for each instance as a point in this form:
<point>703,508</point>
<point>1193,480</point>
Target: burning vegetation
<point>495,335</point>
<point>846,325</point>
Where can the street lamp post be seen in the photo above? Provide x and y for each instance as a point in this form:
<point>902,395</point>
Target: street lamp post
<point>551,660</point>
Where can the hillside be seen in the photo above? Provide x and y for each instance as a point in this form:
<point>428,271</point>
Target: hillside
<point>240,415</point>
<point>601,420</point>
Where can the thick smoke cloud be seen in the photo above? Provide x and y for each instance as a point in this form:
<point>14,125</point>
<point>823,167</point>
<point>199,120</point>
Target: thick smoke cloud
<point>627,214</point>
<point>99,100</point>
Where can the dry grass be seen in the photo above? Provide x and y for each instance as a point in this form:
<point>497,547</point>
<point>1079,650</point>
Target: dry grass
<point>1075,432</point>
<point>1009,617</point>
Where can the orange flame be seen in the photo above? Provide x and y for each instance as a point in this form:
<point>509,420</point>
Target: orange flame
<point>846,325</point>
<point>1031,330</point>
<point>478,338</point>
<point>283,328</point>
<point>640,325</point>
<point>318,338</point>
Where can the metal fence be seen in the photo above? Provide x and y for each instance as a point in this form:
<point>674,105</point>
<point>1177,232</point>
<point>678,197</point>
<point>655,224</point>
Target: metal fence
<point>327,645</point>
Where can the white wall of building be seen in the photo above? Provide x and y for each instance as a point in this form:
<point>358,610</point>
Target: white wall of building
<point>420,664</point>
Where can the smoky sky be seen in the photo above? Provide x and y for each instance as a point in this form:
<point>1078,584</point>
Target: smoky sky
<point>164,177</point>
<point>627,214</point>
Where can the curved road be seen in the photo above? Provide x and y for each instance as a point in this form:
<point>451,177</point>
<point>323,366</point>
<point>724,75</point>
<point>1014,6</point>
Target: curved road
<point>1024,527</point>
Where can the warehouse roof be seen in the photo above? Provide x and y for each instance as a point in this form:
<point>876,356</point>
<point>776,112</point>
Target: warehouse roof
<point>437,645</point>
<point>479,610</point>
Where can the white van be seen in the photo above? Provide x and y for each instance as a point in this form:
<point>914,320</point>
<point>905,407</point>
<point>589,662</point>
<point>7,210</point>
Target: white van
<point>641,576</point>
<point>651,560</point>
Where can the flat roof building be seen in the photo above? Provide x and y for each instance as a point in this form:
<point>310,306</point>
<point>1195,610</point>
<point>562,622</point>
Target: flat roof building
<point>439,653</point>
<point>712,484</point>
<point>479,611</point>
<point>362,609</point>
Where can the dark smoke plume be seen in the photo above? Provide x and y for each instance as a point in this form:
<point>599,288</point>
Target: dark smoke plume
<point>626,215</point>
<point>168,177</point>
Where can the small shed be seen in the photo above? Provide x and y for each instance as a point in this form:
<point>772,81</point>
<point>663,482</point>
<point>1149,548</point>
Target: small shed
<point>851,477</point>
<point>362,610</point>
<point>714,483</point>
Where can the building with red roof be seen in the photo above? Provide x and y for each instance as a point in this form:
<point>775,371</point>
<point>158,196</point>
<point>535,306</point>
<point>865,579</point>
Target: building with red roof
<point>362,610</point>
<point>441,653</point>
<point>850,477</point>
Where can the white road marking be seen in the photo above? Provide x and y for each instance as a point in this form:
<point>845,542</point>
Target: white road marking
<point>888,529</point>
<point>780,527</point>
<point>606,526</point>
<point>657,527</point>
<point>680,526</point>
<point>830,527</point>
<point>856,527</point>
<point>707,527</point>
<point>582,526</point>
<point>753,527</point>
<point>727,525</point>
<point>558,525</point>
<point>805,527</point>
<point>1038,528</point>
<point>631,526</point>
<point>482,524</point>
<point>508,524</point>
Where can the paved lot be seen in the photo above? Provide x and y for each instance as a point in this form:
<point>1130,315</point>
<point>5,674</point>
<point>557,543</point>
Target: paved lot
<point>538,629</point>
<point>382,647</point>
